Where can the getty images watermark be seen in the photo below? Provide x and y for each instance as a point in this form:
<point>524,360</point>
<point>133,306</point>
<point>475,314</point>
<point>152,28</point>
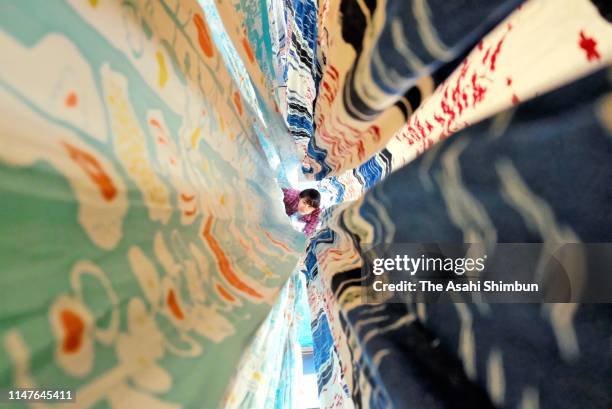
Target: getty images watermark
<point>458,266</point>
<point>512,272</point>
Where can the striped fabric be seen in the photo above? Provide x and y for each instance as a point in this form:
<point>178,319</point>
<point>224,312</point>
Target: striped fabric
<point>512,178</point>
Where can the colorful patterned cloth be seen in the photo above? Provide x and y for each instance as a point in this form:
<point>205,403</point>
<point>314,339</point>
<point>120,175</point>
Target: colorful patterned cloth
<point>513,178</point>
<point>499,73</point>
<point>504,68</point>
<point>363,351</point>
<point>271,365</point>
<point>379,61</point>
<point>142,234</point>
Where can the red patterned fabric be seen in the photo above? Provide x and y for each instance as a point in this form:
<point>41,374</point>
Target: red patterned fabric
<point>291,200</point>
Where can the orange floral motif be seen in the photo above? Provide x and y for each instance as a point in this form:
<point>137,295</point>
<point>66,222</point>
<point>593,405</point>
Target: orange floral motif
<point>247,48</point>
<point>238,102</point>
<point>73,327</point>
<point>186,197</point>
<point>92,167</point>
<point>225,294</point>
<point>190,212</point>
<point>203,35</point>
<point>277,242</point>
<point>224,264</point>
<point>174,305</point>
<point>71,100</point>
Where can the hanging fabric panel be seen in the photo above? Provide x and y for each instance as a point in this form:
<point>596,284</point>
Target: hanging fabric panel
<point>143,236</point>
<point>512,178</point>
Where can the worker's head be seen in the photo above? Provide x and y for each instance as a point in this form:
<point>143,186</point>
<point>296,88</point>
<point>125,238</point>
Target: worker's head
<point>310,199</point>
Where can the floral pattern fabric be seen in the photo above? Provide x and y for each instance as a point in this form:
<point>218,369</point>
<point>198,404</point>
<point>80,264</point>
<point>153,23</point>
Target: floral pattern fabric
<point>143,236</point>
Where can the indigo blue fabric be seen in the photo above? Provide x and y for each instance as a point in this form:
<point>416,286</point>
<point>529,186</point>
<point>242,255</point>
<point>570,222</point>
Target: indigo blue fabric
<point>540,175</point>
<point>379,66</point>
